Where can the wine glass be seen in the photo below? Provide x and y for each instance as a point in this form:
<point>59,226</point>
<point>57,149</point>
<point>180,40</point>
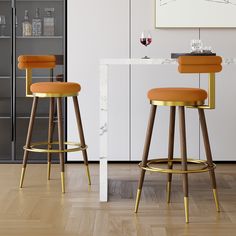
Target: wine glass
<point>196,46</point>
<point>146,39</point>
<point>2,25</point>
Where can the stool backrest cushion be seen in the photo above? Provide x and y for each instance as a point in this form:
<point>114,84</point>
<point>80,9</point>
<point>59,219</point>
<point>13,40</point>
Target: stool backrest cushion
<point>199,64</point>
<point>36,62</point>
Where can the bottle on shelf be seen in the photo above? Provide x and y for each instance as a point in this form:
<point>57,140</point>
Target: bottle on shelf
<point>48,22</point>
<point>37,24</point>
<point>26,25</point>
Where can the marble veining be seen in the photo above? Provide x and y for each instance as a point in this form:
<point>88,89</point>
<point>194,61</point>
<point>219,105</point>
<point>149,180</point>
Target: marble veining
<point>103,134</point>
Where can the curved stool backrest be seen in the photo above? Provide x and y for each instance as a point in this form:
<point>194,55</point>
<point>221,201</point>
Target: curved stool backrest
<point>202,64</point>
<point>29,62</point>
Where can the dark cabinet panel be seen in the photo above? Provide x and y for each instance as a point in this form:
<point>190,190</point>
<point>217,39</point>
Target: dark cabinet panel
<point>15,107</point>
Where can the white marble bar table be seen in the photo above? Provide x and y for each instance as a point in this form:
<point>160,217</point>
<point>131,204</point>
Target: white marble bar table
<point>103,68</point>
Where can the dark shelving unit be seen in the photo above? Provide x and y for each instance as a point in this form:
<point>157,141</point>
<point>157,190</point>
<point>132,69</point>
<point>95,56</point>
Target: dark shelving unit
<point>14,106</point>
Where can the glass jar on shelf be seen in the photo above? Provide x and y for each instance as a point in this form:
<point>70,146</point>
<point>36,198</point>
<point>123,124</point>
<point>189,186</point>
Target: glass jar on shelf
<point>49,22</point>
<point>37,24</point>
<point>26,25</point>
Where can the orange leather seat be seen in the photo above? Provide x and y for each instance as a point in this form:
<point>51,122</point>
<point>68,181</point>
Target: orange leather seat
<point>177,94</point>
<point>55,88</point>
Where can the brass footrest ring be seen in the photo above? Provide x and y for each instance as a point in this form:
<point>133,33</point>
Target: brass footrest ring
<point>77,147</point>
<point>205,166</point>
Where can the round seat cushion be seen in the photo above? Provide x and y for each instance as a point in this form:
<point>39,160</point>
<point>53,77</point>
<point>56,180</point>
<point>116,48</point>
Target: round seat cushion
<point>177,94</point>
<point>55,88</point>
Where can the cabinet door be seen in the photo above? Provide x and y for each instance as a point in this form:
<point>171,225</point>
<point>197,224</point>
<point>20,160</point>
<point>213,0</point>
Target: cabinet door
<point>5,82</point>
<point>99,29</point>
<point>221,121</point>
<point>147,77</point>
<point>36,45</point>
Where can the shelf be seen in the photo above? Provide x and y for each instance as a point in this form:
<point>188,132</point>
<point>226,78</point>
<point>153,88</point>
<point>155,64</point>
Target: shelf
<point>5,37</point>
<point>27,117</point>
<point>39,37</point>
<point>36,77</point>
<point>5,77</point>
<point>4,117</point>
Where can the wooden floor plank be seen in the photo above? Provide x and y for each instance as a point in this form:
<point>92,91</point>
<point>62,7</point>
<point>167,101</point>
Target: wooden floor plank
<point>41,209</point>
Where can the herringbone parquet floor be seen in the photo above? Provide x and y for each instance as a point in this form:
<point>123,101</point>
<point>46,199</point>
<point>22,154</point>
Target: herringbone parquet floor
<point>39,209</point>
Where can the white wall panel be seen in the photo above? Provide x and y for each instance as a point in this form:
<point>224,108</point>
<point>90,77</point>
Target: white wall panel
<point>144,78</point>
<point>99,29</point>
<point>221,121</point>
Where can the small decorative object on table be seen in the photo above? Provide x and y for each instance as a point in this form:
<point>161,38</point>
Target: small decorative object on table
<point>197,49</point>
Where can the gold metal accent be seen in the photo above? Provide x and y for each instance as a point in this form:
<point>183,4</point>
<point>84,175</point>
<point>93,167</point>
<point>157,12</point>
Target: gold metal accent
<point>32,149</point>
<point>62,182</point>
<point>22,177</point>
<point>186,208</point>
<point>137,200</point>
<point>206,167</point>
<point>88,174</point>
<point>176,103</point>
<point>215,194</point>
<point>211,93</point>
<point>28,83</point>
<point>49,170</point>
<point>168,191</point>
<point>56,95</point>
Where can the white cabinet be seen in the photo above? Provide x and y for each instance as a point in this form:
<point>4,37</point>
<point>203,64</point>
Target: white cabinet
<point>99,29</point>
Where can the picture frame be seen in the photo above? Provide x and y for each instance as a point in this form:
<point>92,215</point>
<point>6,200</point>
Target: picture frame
<point>195,13</point>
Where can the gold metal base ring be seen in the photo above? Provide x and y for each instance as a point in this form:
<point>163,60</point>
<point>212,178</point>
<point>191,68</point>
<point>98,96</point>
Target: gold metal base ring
<point>77,148</point>
<point>149,167</point>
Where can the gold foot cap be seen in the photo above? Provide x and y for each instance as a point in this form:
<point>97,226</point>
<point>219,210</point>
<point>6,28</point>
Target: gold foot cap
<point>62,182</point>
<point>215,194</point>
<point>137,200</point>
<point>22,177</point>
<point>88,174</point>
<point>49,171</point>
<point>186,207</point>
<point>168,191</point>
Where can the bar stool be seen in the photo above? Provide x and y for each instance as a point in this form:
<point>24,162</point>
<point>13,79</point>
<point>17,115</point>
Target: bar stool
<point>54,91</point>
<point>181,98</point>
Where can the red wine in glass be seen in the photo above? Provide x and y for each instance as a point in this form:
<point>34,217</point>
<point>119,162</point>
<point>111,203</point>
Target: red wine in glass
<point>146,39</point>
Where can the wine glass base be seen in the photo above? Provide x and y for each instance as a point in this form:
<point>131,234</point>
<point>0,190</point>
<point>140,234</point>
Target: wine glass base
<point>146,57</point>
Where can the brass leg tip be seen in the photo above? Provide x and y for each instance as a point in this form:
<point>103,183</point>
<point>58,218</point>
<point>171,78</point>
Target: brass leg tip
<point>22,177</point>
<point>49,171</point>
<point>62,182</point>
<point>215,194</point>
<point>88,174</point>
<point>186,207</point>
<point>137,200</point>
<point>168,191</point>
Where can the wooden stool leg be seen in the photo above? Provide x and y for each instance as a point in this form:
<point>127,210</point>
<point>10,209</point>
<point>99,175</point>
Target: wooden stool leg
<point>81,135</point>
<point>208,155</point>
<point>145,154</point>
<point>50,135</point>
<point>171,149</point>
<point>183,148</point>
<point>28,139</point>
<point>61,142</point>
